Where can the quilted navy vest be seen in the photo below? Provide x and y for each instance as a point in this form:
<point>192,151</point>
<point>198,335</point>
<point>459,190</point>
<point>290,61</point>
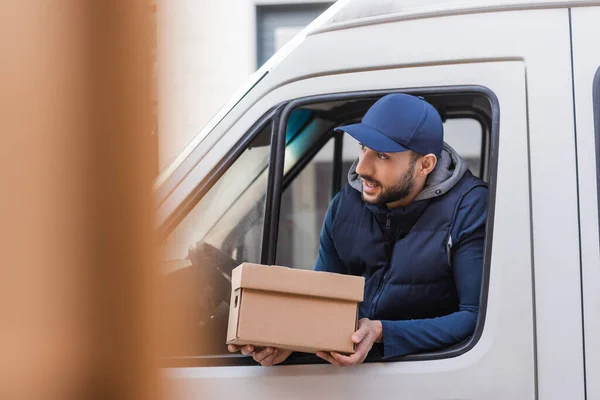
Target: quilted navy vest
<point>403,253</point>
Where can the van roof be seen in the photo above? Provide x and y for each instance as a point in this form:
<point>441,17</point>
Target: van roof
<point>345,14</point>
<point>367,12</point>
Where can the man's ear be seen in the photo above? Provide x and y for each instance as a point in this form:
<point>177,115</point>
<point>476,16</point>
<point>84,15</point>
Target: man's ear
<point>427,164</point>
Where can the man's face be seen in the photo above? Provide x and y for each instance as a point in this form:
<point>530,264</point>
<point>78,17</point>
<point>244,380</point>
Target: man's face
<point>386,177</point>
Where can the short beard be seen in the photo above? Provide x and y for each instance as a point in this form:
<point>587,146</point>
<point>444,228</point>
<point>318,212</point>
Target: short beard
<point>401,190</point>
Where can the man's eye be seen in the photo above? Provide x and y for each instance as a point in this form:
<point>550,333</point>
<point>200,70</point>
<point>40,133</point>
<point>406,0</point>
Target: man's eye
<point>382,156</point>
<point>362,146</point>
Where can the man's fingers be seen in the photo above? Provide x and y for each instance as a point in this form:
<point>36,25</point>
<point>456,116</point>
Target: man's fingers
<point>264,353</point>
<point>269,360</point>
<point>247,350</point>
<point>233,348</point>
<point>327,357</point>
<point>281,356</point>
<point>346,360</point>
<point>276,357</point>
<point>361,333</point>
<point>363,348</point>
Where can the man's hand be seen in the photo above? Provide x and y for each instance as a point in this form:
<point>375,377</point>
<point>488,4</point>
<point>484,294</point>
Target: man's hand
<point>267,357</point>
<point>368,333</point>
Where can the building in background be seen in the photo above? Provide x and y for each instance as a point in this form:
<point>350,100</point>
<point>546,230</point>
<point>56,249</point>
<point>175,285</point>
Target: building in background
<point>208,49</point>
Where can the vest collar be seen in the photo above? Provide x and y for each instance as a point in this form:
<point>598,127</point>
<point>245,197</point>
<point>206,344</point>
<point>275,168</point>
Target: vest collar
<point>400,220</point>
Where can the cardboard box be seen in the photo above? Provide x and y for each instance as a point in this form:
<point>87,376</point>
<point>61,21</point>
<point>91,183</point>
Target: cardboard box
<point>294,309</point>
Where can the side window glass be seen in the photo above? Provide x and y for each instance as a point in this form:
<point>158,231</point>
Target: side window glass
<point>305,200</point>
<point>222,230</point>
<point>465,135</point>
<point>349,155</point>
<point>303,205</point>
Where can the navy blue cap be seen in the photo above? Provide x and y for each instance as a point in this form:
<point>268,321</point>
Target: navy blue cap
<point>399,122</point>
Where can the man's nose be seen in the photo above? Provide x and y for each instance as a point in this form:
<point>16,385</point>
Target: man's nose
<point>364,166</point>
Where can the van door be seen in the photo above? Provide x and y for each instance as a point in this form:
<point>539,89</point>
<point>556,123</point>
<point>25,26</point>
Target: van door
<point>505,59</point>
<point>586,77</point>
<point>507,331</point>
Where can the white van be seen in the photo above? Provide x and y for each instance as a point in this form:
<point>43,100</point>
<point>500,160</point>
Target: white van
<point>518,87</point>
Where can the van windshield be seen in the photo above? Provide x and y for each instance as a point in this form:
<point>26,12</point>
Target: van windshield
<point>214,121</point>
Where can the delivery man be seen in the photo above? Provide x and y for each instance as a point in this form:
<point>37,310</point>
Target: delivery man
<point>411,220</point>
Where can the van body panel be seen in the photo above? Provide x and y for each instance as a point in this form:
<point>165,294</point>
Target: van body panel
<point>554,213</point>
<point>368,12</point>
<point>508,335</point>
<point>586,61</point>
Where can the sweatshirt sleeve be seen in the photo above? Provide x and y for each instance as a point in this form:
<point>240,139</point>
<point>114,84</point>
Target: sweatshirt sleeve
<point>328,259</point>
<point>468,235</point>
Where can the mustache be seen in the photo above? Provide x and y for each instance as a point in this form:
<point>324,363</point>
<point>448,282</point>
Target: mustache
<point>370,180</point>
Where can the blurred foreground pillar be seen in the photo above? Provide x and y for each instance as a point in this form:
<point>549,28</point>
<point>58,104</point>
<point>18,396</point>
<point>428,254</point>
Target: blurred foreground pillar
<point>78,305</point>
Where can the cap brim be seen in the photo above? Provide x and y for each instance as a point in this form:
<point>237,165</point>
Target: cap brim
<point>372,138</point>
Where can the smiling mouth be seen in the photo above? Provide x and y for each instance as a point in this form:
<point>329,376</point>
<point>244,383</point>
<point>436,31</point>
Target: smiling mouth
<point>369,185</point>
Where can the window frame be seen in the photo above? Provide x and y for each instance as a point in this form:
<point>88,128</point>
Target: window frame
<point>596,111</point>
<point>279,116</point>
<point>216,173</point>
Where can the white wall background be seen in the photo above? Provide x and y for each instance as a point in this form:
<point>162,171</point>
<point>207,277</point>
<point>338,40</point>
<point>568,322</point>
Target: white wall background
<point>207,50</point>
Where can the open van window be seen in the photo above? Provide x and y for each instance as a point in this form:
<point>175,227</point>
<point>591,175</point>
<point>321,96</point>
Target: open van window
<point>233,222</point>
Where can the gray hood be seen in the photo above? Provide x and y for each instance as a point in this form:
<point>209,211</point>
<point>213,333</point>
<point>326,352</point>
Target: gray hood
<point>449,170</point>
